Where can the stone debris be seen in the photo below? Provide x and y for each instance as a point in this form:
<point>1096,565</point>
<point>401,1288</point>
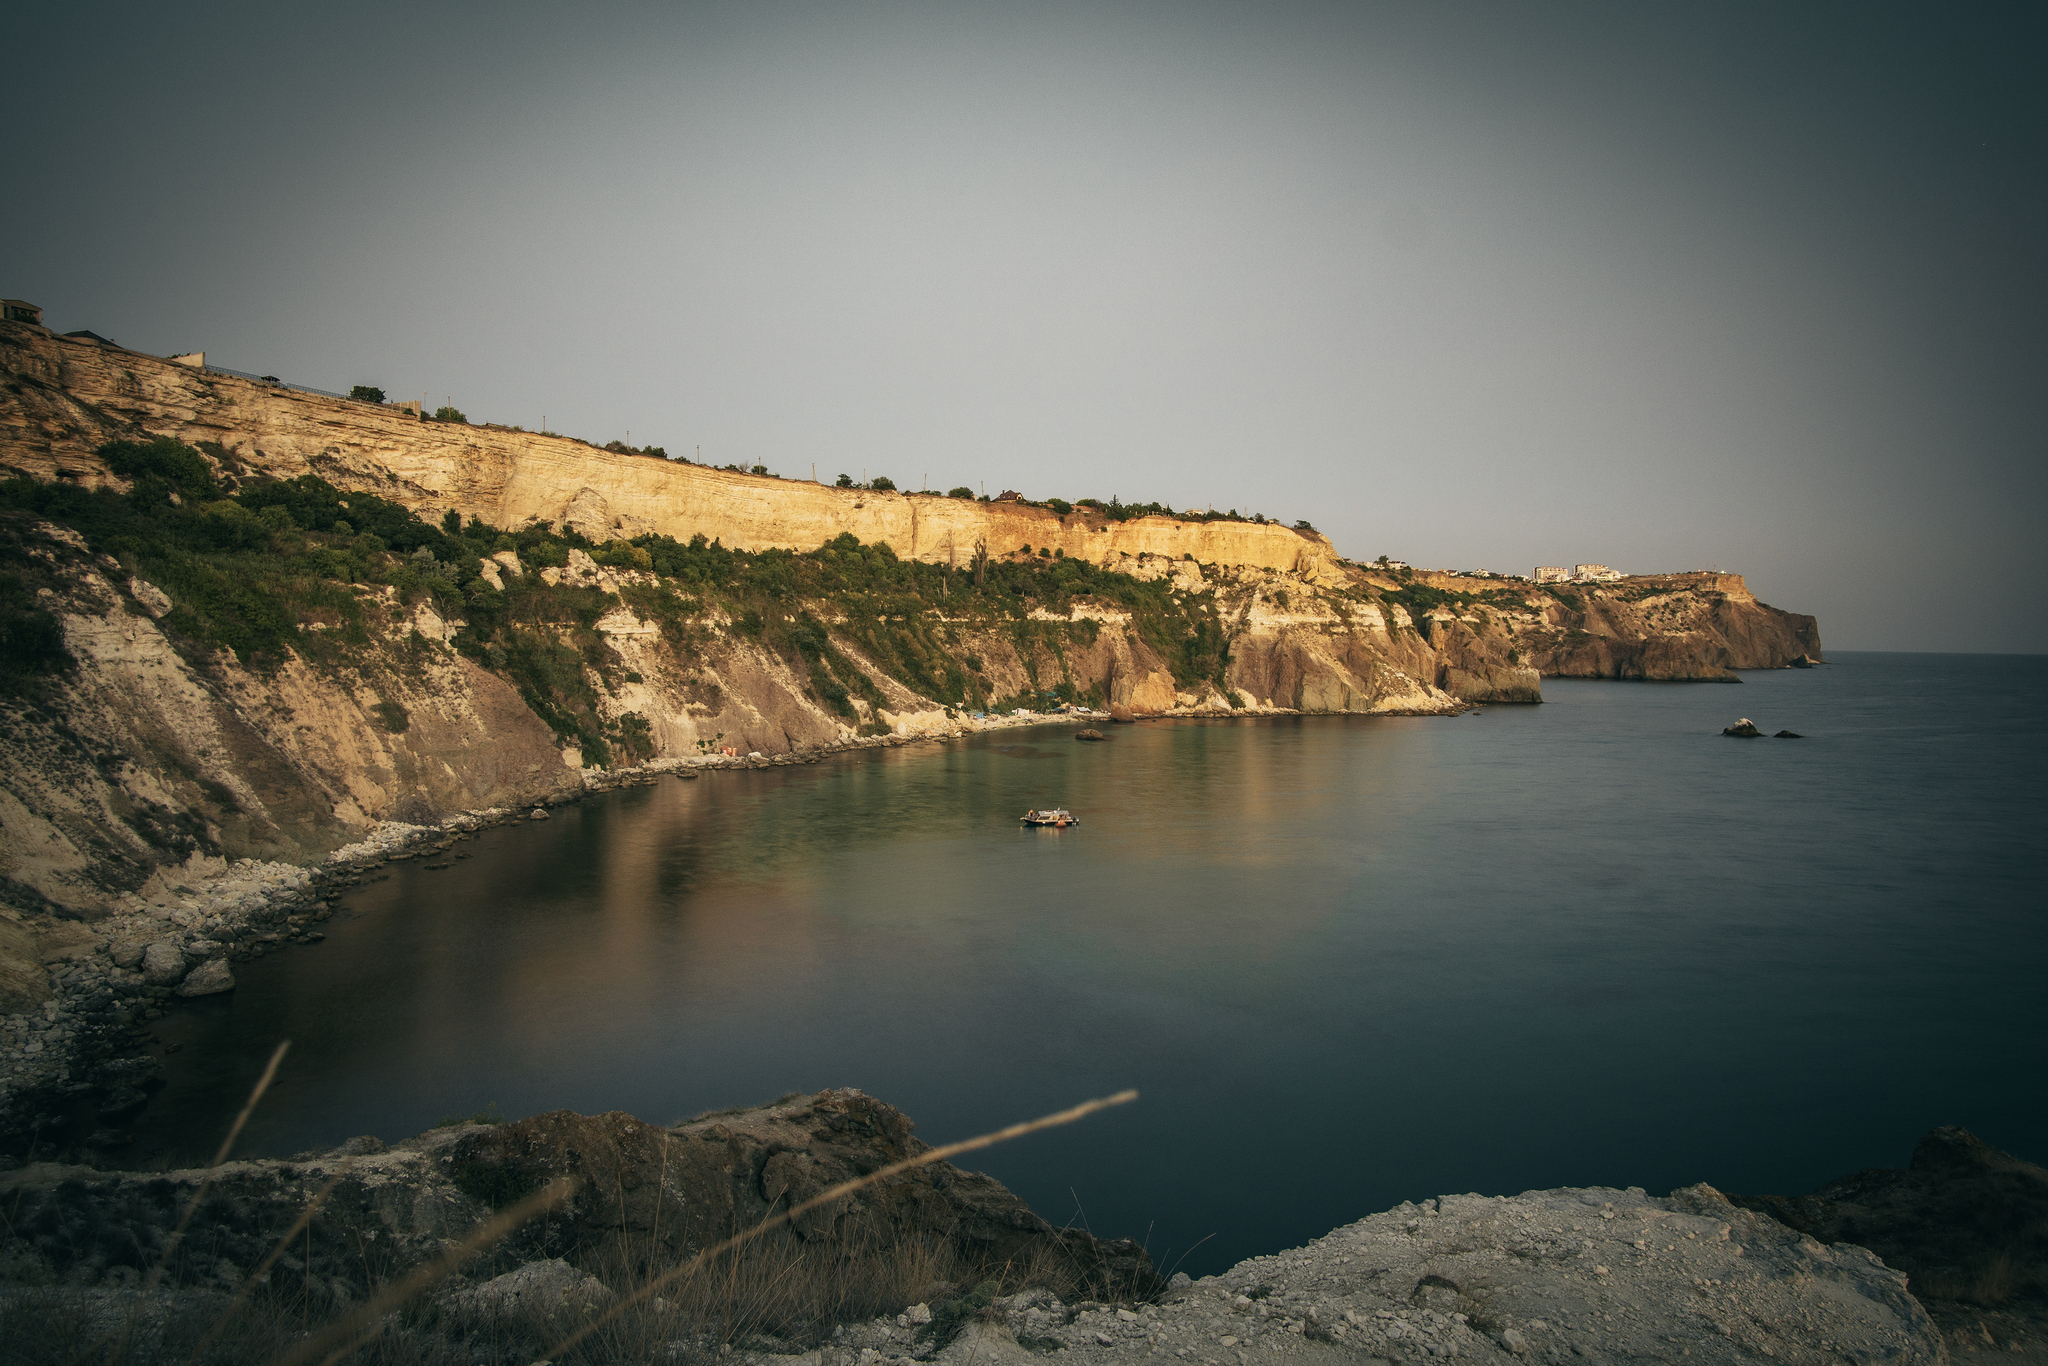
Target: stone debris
<point>1559,1276</point>
<point>548,1289</point>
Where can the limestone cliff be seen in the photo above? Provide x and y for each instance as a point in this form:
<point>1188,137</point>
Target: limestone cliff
<point>65,397</point>
<point>1676,628</point>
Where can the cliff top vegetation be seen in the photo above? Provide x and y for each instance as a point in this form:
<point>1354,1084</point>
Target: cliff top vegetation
<point>268,568</point>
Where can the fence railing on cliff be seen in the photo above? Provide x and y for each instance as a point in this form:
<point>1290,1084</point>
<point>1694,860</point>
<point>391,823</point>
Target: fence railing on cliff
<point>273,381</point>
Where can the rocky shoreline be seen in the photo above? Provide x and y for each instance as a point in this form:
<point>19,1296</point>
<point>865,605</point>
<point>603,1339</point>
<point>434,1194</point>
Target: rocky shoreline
<point>1558,1276</point>
<point>77,994</point>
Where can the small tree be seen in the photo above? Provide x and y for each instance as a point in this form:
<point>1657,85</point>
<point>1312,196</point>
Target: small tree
<point>845,481</point>
<point>962,492</point>
<point>883,484</point>
<point>980,563</point>
<point>367,393</point>
<point>444,413</point>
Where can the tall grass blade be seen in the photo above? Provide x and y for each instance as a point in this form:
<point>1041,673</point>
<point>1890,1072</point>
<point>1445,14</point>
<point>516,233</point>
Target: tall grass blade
<point>344,1335</point>
<point>255,1279</point>
<point>838,1192</point>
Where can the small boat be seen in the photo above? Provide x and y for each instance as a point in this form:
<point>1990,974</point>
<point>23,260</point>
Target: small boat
<point>1057,817</point>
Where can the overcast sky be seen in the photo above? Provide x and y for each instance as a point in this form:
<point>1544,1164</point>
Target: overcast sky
<point>1760,287</point>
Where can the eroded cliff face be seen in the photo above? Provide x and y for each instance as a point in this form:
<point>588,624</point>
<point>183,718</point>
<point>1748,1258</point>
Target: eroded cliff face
<point>1677,628</point>
<point>150,759</point>
<point>66,397</point>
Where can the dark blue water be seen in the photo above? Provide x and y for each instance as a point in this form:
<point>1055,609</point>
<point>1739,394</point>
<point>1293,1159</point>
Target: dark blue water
<point>1347,961</point>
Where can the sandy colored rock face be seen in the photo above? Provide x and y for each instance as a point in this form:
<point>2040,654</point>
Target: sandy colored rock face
<point>508,478</point>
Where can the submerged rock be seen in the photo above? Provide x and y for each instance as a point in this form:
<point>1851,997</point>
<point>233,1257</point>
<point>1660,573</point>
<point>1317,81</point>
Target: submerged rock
<point>1090,734</point>
<point>1743,729</point>
<point>210,978</point>
<point>1788,735</point>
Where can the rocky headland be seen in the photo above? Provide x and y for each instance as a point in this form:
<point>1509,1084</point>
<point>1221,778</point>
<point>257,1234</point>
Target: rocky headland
<point>256,637</point>
<point>256,622</point>
<point>938,1263</point>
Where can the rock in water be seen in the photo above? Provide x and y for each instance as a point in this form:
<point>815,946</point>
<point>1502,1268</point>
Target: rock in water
<point>540,813</point>
<point>1788,735</point>
<point>1090,734</point>
<point>208,979</point>
<point>1745,729</point>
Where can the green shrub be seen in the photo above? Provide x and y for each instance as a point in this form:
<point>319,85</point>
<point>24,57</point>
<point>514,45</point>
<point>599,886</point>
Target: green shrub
<point>367,393</point>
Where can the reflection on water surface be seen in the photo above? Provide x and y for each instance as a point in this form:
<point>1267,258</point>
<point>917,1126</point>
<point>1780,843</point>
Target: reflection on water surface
<point>1347,961</point>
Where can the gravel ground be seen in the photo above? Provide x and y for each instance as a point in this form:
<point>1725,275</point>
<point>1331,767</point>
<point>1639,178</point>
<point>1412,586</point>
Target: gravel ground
<point>1565,1275</point>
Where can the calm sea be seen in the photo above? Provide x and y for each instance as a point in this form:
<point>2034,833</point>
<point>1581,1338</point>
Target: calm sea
<point>1346,961</point>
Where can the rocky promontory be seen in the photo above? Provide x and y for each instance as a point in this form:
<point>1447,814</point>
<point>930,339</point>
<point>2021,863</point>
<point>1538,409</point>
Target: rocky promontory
<point>939,1263</point>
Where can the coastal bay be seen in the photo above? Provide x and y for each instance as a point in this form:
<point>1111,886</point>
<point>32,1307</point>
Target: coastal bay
<point>1680,957</point>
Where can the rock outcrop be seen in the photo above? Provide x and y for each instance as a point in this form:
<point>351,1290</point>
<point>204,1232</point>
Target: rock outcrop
<point>1587,1274</point>
<point>151,763</point>
<point>1557,1276</point>
<point>1966,1221</point>
<point>667,1192</point>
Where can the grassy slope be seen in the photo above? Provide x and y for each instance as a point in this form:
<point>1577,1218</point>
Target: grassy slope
<point>267,568</point>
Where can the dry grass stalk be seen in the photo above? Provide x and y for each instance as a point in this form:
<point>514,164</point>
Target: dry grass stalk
<point>344,1335</point>
<point>263,1268</point>
<point>776,1287</point>
<point>156,1273</point>
<point>838,1192</point>
<point>206,1182</point>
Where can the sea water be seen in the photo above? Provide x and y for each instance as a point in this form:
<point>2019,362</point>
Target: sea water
<point>1346,961</point>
